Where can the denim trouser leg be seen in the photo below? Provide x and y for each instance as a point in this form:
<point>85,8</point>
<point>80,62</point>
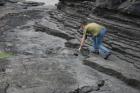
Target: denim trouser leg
<point>102,49</point>
<point>98,43</point>
<point>95,47</point>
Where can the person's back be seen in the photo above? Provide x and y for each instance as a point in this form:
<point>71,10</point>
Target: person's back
<point>93,28</point>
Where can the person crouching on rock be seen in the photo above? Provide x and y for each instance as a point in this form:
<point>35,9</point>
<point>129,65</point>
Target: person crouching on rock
<point>97,33</point>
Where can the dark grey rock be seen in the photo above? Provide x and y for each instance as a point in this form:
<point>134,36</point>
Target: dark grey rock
<point>2,2</point>
<point>120,72</point>
<point>111,4</point>
<point>73,43</point>
<point>132,8</point>
<point>123,35</point>
<point>62,72</point>
<point>100,83</point>
<point>3,87</point>
<point>58,33</point>
<point>85,89</point>
<point>14,1</point>
<point>32,3</point>
<point>3,65</point>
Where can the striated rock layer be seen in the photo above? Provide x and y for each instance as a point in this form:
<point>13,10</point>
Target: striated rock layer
<point>131,7</point>
<point>124,29</point>
<point>43,43</point>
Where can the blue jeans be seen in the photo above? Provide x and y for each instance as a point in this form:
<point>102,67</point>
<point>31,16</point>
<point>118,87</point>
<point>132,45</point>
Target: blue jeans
<point>98,44</point>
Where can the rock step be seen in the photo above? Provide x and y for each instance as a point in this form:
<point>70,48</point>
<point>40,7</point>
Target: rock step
<point>54,32</point>
<point>130,42</point>
<point>73,22</point>
<point>127,46</point>
<point>122,28</point>
<point>128,58</point>
<point>121,70</point>
<point>118,40</point>
<point>134,45</point>
<point>124,19</point>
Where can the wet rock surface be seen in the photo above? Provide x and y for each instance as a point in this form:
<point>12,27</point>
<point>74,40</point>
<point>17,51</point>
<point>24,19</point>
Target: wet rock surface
<point>44,42</point>
<point>118,39</point>
<point>31,3</point>
<point>130,7</point>
<point>73,43</point>
<point>123,37</point>
<point>2,2</point>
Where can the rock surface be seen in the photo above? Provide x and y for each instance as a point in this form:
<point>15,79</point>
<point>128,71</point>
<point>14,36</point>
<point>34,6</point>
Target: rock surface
<point>73,43</point>
<point>42,63</point>
<point>123,37</point>
<point>2,2</point>
<point>130,7</point>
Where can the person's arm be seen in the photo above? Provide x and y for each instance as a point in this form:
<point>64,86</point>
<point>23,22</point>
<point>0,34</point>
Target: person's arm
<point>82,41</point>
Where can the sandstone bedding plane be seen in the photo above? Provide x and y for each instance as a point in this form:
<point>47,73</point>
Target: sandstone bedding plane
<point>43,42</point>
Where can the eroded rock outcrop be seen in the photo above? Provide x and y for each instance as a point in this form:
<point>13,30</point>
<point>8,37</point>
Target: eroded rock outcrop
<point>126,6</point>
<point>2,2</point>
<point>46,59</point>
<point>124,29</point>
<point>131,7</point>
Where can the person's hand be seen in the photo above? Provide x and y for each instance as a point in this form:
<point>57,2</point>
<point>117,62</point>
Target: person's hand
<point>79,49</point>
